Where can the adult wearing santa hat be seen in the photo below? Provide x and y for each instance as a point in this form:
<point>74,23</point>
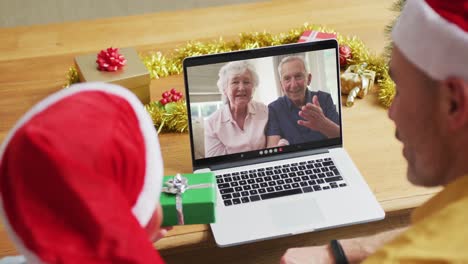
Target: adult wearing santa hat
<point>80,179</point>
<point>429,65</point>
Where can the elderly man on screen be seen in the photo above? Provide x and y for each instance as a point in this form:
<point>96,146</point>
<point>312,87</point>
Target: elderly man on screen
<point>300,115</point>
<point>430,110</point>
<point>239,124</point>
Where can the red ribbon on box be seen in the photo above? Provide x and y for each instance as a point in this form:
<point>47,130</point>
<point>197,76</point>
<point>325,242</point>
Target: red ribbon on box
<point>311,35</point>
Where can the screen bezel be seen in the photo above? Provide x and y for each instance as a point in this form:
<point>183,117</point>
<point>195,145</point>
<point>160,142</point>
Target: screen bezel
<point>253,54</point>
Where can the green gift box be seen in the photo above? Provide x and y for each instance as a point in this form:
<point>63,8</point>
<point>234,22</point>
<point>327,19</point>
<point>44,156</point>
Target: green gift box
<point>197,197</point>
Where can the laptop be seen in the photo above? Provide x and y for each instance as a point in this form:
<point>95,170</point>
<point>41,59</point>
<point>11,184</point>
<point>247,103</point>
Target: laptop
<point>270,192</point>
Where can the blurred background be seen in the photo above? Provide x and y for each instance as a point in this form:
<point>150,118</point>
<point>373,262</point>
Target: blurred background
<point>33,12</point>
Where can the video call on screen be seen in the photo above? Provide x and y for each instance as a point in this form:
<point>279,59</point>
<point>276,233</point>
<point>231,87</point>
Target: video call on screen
<point>206,98</point>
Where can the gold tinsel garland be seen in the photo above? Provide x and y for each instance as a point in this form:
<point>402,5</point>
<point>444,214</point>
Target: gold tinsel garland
<point>171,117</point>
<point>72,76</point>
<point>386,85</point>
<point>160,65</point>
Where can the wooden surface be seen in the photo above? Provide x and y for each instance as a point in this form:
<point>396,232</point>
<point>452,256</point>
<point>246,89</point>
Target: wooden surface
<point>34,60</point>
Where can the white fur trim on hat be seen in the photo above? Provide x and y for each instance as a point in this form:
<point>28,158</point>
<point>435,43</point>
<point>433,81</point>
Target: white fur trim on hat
<point>436,46</point>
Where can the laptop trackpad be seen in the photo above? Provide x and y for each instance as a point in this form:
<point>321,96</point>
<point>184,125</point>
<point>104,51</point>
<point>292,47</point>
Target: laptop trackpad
<point>297,213</point>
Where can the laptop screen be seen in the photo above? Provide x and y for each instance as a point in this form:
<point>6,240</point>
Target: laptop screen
<point>263,102</point>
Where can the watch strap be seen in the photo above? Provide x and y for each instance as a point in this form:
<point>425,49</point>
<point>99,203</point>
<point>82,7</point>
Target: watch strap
<point>338,252</point>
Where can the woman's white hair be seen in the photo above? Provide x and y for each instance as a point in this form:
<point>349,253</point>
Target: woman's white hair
<point>233,68</point>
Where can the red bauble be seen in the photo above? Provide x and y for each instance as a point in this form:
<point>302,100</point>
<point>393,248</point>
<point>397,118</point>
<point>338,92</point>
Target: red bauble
<point>342,61</point>
<point>345,54</point>
<point>110,60</point>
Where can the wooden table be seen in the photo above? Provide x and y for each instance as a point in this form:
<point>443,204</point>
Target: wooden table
<point>34,60</point>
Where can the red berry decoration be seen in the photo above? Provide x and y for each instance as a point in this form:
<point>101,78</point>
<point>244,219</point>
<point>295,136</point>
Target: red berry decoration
<point>163,101</point>
<point>171,95</point>
<point>110,60</point>
<point>345,54</point>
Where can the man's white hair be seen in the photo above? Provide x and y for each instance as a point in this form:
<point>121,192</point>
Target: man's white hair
<point>292,58</point>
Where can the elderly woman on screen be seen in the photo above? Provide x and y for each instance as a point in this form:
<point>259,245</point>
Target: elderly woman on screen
<point>239,125</point>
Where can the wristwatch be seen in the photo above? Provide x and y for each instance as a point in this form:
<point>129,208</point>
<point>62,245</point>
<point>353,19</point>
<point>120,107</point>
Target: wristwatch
<point>338,252</point>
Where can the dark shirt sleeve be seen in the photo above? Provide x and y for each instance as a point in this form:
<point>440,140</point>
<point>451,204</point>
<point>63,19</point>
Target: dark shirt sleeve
<point>329,108</point>
<point>272,127</point>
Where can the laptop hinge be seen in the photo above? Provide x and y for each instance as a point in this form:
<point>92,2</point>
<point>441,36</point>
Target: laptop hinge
<point>268,159</point>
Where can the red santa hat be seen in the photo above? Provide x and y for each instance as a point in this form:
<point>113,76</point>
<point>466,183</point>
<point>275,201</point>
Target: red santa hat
<point>433,35</point>
<point>80,176</point>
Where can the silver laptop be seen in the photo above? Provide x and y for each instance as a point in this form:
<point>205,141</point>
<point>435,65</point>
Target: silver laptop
<point>302,185</point>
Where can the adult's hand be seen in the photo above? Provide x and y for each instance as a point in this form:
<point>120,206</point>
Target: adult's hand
<point>160,233</point>
<point>315,119</point>
<point>355,249</point>
<point>283,142</point>
<point>307,255</point>
<point>154,229</point>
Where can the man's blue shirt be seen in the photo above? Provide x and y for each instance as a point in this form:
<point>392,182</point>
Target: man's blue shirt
<point>283,116</point>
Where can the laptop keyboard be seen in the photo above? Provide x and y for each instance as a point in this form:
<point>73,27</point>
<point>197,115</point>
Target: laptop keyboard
<point>277,181</point>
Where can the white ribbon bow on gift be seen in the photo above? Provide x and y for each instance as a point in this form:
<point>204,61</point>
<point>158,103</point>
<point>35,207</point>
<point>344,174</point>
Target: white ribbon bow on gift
<point>178,185</point>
